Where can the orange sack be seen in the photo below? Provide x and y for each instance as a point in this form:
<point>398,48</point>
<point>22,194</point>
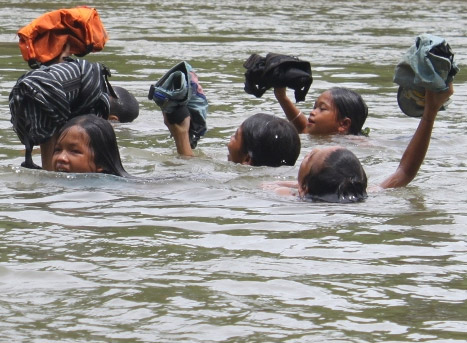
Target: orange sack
<point>45,37</point>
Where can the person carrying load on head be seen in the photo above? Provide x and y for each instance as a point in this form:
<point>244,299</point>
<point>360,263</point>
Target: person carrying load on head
<point>45,98</point>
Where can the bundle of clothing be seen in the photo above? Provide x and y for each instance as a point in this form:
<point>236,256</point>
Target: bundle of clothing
<point>44,99</point>
<point>427,64</point>
<point>44,39</point>
<point>276,70</point>
<point>179,95</point>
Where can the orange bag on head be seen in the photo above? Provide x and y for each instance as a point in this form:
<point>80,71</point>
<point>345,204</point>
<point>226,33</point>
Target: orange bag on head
<point>45,37</point>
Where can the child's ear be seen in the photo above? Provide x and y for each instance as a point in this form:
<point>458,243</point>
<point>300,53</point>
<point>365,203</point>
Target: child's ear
<point>302,190</point>
<point>247,160</point>
<point>344,125</point>
<point>113,117</point>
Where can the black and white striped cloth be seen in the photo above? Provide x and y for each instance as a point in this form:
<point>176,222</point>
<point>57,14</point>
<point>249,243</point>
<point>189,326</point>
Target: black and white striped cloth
<point>44,99</point>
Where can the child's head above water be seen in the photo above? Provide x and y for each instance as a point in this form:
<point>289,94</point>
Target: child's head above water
<point>350,104</point>
<point>265,140</point>
<point>332,174</point>
<point>87,144</point>
<point>125,107</point>
<point>338,110</point>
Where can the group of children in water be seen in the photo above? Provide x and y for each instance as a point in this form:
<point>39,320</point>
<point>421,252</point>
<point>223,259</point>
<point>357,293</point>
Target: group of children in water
<point>84,141</point>
<point>331,174</point>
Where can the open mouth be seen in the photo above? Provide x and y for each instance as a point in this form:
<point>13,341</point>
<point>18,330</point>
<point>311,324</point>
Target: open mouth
<point>61,169</point>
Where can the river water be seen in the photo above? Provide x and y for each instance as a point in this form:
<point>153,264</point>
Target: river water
<point>196,250</point>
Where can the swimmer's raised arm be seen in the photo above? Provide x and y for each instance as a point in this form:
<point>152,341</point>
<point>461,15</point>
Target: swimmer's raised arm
<point>293,114</point>
<point>415,152</point>
<point>180,133</point>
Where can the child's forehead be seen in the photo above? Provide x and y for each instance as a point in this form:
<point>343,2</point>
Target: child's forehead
<point>326,96</point>
<point>76,133</point>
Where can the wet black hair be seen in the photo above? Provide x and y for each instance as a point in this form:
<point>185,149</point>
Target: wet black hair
<point>125,106</point>
<point>270,140</point>
<point>341,179</point>
<point>102,142</point>
<point>350,104</point>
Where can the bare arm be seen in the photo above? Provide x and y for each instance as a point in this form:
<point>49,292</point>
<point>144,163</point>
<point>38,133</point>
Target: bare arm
<point>180,134</point>
<point>293,114</point>
<point>415,152</point>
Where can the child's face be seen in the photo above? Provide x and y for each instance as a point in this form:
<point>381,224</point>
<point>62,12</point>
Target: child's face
<point>323,119</point>
<point>235,148</point>
<point>72,153</point>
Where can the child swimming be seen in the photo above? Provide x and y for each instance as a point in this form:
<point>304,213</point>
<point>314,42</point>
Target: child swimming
<point>261,140</point>
<point>336,111</point>
<point>87,144</point>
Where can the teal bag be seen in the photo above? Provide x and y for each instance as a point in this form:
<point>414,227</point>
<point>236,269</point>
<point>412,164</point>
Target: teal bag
<point>179,95</point>
<point>428,64</point>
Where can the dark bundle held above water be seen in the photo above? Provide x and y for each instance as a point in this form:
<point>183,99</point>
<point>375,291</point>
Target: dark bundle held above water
<point>277,70</point>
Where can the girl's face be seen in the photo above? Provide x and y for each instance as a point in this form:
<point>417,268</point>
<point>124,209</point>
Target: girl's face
<point>72,153</point>
<point>235,147</point>
<point>313,161</point>
<point>323,119</point>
